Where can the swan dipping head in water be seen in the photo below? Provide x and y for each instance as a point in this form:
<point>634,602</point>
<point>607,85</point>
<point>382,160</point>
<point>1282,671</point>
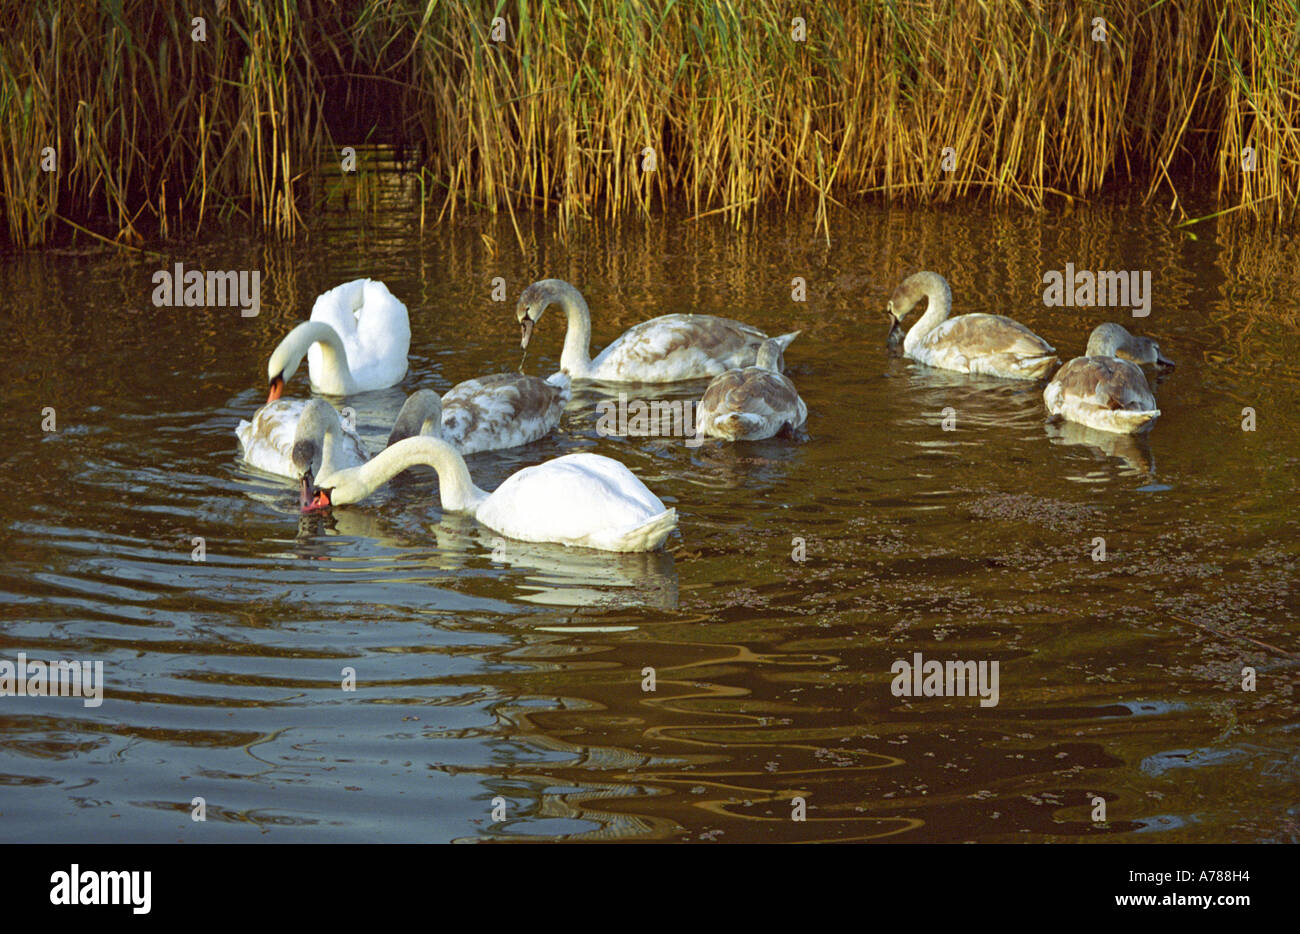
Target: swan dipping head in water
<point>585,500</point>
<point>357,340</point>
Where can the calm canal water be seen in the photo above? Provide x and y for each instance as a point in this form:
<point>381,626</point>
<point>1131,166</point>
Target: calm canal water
<point>491,669</point>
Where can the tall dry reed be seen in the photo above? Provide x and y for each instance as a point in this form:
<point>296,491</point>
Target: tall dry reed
<point>614,105</point>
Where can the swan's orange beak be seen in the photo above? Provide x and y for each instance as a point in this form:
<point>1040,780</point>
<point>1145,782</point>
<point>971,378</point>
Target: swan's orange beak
<point>277,389</point>
<point>312,500</point>
<point>526,325</point>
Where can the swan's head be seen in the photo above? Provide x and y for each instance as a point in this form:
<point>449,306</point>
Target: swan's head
<point>318,419</point>
<point>1112,340</point>
<point>283,364</point>
<point>919,285</point>
<point>897,334</point>
<point>770,356</point>
<point>421,414</point>
<point>536,299</point>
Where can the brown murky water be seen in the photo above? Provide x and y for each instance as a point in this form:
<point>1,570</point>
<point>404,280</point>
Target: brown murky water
<point>491,669</point>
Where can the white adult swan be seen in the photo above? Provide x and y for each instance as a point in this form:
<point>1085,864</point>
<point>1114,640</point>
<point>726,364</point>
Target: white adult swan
<point>667,349</point>
<point>580,499</point>
<point>1103,390</point>
<point>751,403</point>
<point>988,345</point>
<point>504,410</point>
<point>357,340</point>
<point>267,440</point>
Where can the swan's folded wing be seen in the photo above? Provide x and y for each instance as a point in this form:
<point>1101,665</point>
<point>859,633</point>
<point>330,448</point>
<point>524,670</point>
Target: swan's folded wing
<point>751,391</point>
<point>502,410</point>
<point>272,428</point>
<point>569,499</point>
<point>707,343</point>
<point>374,327</point>
<point>617,484</point>
<point>985,335</point>
<point>765,393</point>
<point>268,439</point>
<point>1104,382</point>
<point>340,308</point>
<point>1113,384</point>
<point>717,396</point>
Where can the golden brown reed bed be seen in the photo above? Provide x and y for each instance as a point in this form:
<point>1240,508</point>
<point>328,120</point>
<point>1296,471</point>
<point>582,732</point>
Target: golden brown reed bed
<point>154,131</point>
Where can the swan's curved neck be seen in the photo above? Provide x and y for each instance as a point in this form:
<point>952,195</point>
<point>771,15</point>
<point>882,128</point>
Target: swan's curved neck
<point>456,489</point>
<point>334,356</point>
<point>938,307</point>
<point>576,358</point>
<point>331,440</point>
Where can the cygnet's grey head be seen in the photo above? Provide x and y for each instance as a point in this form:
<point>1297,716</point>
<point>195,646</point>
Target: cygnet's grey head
<point>915,287</point>
<point>535,299</point>
<point>1113,340</point>
<point>421,414</point>
<point>317,421</point>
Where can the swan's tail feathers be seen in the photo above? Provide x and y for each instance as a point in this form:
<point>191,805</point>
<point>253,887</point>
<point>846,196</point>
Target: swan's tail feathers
<point>244,432</point>
<point>1129,421</point>
<point>647,536</point>
<point>562,382</point>
<point>736,426</point>
<point>1037,367</point>
<point>785,340</point>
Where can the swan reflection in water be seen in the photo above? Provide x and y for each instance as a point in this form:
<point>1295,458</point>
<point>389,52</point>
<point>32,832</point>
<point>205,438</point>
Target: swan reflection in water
<point>540,573</point>
<point>1133,450</point>
<point>553,575</point>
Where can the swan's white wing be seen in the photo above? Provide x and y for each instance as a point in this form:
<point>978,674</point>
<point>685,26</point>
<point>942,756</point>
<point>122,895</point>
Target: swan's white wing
<point>503,410</point>
<point>679,347</point>
<point>578,499</point>
<point>267,440</point>
<point>374,327</point>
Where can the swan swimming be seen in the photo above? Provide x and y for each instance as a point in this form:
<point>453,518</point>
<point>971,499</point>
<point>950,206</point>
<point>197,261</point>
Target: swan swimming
<point>1106,389</point>
<point>357,340</point>
<point>266,442</point>
<point>752,403</point>
<point>667,349</point>
<point>979,344</point>
<point>585,500</point>
<point>488,413</point>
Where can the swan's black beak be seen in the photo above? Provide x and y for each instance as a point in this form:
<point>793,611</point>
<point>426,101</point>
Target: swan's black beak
<point>277,388</point>
<point>312,499</point>
<point>304,492</point>
<point>526,326</point>
<point>1162,360</point>
<point>896,333</point>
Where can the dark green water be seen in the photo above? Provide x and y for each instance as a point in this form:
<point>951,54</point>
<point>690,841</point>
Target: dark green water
<point>519,674</point>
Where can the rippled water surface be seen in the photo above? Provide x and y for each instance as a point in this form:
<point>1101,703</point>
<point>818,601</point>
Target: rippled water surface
<point>488,668</point>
